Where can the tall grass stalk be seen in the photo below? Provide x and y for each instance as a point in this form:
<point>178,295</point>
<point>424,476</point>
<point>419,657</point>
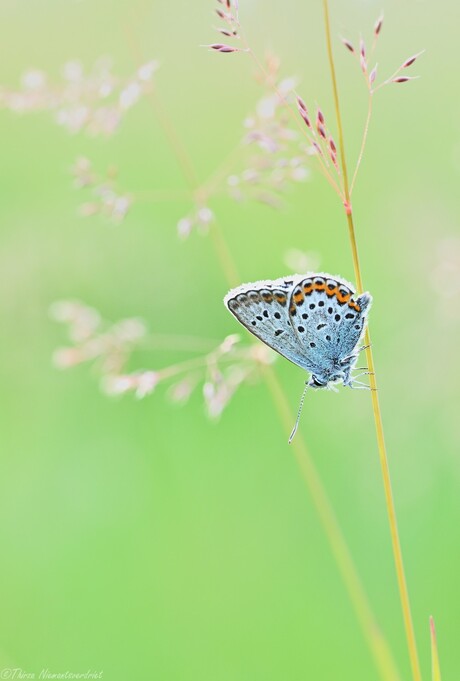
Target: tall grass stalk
<point>403,591</point>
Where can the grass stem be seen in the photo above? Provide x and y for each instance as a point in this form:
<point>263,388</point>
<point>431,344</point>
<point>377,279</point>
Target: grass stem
<point>403,592</point>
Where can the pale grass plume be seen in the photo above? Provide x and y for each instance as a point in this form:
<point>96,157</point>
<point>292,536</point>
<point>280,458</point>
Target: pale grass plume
<point>110,349</point>
<point>199,220</point>
<point>268,161</point>
<point>94,100</point>
<point>104,197</point>
<point>272,148</point>
<point>92,339</point>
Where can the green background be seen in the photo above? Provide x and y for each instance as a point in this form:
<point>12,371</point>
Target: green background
<point>137,537</point>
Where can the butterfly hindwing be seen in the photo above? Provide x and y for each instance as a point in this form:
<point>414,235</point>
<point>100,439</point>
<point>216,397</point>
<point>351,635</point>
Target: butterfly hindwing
<point>327,318</point>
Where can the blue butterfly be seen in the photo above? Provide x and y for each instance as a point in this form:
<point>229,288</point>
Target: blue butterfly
<point>312,319</point>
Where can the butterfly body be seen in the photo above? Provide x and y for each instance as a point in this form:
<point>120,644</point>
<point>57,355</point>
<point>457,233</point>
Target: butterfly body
<point>312,319</point>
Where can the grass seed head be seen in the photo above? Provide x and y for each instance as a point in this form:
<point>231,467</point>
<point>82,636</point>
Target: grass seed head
<point>378,26</point>
<point>348,45</point>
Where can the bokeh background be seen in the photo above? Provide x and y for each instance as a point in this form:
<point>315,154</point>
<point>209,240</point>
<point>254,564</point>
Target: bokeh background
<point>139,537</point>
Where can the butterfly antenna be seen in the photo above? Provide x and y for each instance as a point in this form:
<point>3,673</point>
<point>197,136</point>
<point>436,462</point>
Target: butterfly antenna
<point>294,430</point>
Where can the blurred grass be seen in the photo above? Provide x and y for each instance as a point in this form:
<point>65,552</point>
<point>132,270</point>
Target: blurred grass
<point>137,537</point>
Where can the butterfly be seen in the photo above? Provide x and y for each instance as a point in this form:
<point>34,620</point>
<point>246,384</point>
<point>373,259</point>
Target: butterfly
<point>313,319</point>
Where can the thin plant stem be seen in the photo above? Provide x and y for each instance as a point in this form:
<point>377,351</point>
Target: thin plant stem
<point>209,186</point>
<point>156,196</point>
<point>403,592</point>
<point>435,668</point>
<point>363,142</point>
<point>377,643</point>
<point>182,367</point>
<point>165,341</point>
<point>170,131</point>
<point>180,152</point>
<point>191,364</point>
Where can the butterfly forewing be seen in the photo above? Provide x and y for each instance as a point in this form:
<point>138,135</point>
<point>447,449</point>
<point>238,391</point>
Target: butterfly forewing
<point>263,308</point>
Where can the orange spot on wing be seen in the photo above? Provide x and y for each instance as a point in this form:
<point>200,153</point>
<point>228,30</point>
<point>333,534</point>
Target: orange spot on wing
<point>354,306</point>
<point>281,299</point>
<point>343,298</point>
<point>319,287</point>
<point>298,297</point>
<point>332,292</point>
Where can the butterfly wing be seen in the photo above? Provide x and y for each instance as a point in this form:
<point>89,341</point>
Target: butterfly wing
<point>353,328</point>
<point>263,308</point>
<point>328,320</point>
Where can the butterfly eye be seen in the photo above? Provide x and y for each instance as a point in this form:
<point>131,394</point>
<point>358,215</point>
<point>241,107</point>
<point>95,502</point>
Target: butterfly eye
<point>316,383</point>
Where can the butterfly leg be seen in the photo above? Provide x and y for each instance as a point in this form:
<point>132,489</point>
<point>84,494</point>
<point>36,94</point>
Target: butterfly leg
<point>364,373</point>
<point>331,386</point>
<point>363,347</point>
<point>351,381</point>
<point>359,385</point>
